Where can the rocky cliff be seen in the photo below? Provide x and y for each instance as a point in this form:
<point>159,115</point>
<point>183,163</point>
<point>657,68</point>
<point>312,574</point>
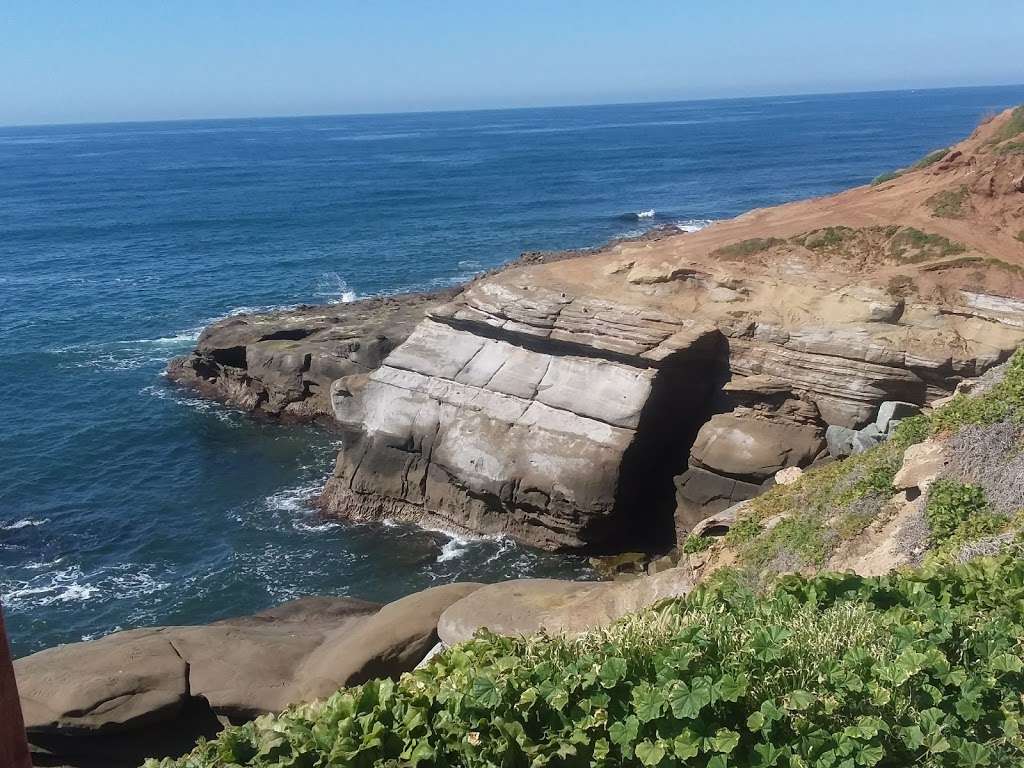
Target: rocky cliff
<point>600,401</point>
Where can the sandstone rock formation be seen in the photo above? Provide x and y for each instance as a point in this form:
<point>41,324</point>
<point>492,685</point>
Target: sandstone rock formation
<point>140,692</point>
<point>527,606</point>
<point>558,402</point>
<point>524,412</point>
<point>282,363</point>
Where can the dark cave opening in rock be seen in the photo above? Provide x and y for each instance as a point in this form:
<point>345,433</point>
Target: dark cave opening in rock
<point>682,399</point>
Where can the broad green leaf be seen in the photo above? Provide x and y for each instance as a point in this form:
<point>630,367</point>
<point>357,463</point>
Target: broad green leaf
<point>799,700</point>
<point>686,744</point>
<point>725,740</point>
<point>971,754</point>
<point>612,672</point>
<point>648,702</point>
<point>649,753</point>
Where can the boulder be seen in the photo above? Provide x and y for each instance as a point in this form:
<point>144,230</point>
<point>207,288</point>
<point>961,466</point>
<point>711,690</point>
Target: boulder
<point>839,441</point>
<point>922,463</point>
<point>788,476</point>
<point>894,411</point>
<point>719,523</point>
<point>387,644</point>
<point>867,438</point>
<point>711,492</point>
<point>125,680</point>
<point>527,606</point>
<point>115,700</point>
<point>754,449</point>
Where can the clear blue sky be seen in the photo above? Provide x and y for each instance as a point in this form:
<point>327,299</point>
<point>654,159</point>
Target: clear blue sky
<point>102,60</point>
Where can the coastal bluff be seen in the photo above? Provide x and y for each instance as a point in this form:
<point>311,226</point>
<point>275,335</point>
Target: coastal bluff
<point>607,401</point>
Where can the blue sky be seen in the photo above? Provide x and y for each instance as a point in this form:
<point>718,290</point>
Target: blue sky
<point>65,61</point>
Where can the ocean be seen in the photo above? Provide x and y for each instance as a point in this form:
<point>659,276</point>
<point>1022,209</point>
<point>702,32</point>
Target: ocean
<point>125,501</point>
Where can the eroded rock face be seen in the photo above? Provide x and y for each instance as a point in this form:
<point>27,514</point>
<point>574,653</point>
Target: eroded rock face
<point>283,363</point>
<point>523,412</point>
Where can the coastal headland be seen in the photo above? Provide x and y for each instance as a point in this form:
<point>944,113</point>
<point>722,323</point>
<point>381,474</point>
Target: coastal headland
<point>777,392</point>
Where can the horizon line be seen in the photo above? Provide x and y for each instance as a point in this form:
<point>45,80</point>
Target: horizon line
<point>641,102</point>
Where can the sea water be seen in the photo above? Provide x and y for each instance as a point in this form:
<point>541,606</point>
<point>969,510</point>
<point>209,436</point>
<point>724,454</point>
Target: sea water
<point>125,501</point>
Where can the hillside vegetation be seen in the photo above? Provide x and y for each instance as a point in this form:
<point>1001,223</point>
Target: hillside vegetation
<point>977,502</point>
<point>919,668</point>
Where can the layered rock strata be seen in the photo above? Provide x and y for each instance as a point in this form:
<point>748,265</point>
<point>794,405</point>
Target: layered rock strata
<point>526,412</point>
<point>282,363</point>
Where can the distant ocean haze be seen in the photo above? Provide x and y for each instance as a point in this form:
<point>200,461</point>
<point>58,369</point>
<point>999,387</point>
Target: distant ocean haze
<point>126,502</point>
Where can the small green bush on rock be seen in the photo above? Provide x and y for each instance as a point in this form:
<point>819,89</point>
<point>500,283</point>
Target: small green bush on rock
<point>919,668</point>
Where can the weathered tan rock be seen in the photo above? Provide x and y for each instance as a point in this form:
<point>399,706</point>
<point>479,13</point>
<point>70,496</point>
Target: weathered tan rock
<point>392,641</point>
<point>110,701</point>
<point>896,539</point>
<point>530,434</point>
<point>125,680</point>
<point>283,363</point>
<point>529,606</point>
<point>922,463</point>
<point>788,476</point>
<point>738,445</point>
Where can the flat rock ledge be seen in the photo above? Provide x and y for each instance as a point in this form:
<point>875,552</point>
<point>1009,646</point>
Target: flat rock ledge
<point>143,692</point>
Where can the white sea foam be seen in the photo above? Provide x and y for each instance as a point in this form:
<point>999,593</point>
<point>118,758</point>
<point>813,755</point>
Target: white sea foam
<point>335,289</point>
<point>694,225</point>
<point>25,523</point>
<point>72,585</point>
<point>292,499</point>
<point>648,214</point>
<point>453,549</point>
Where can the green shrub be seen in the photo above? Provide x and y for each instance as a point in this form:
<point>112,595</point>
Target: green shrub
<point>694,544</point>
<point>919,668</point>
<point>1003,401</point>
<point>950,504</point>
<point>884,177</point>
<point>1011,148</point>
<point>950,203</point>
<point>911,245</point>
<point>1013,128</point>
<point>748,247</point>
<point>828,237</point>
<point>1020,235</point>
<point>931,158</point>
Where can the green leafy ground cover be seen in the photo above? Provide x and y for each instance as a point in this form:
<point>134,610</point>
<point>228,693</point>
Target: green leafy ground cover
<point>920,668</point>
<point>904,245</point>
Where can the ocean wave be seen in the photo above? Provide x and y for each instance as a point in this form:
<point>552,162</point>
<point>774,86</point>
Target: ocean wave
<point>73,585</point>
<point>292,499</point>
<point>453,549</point>
<point>162,392</point>
<point>643,215</point>
<point>335,289</point>
<point>25,523</point>
<point>126,354</point>
<point>694,225</point>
